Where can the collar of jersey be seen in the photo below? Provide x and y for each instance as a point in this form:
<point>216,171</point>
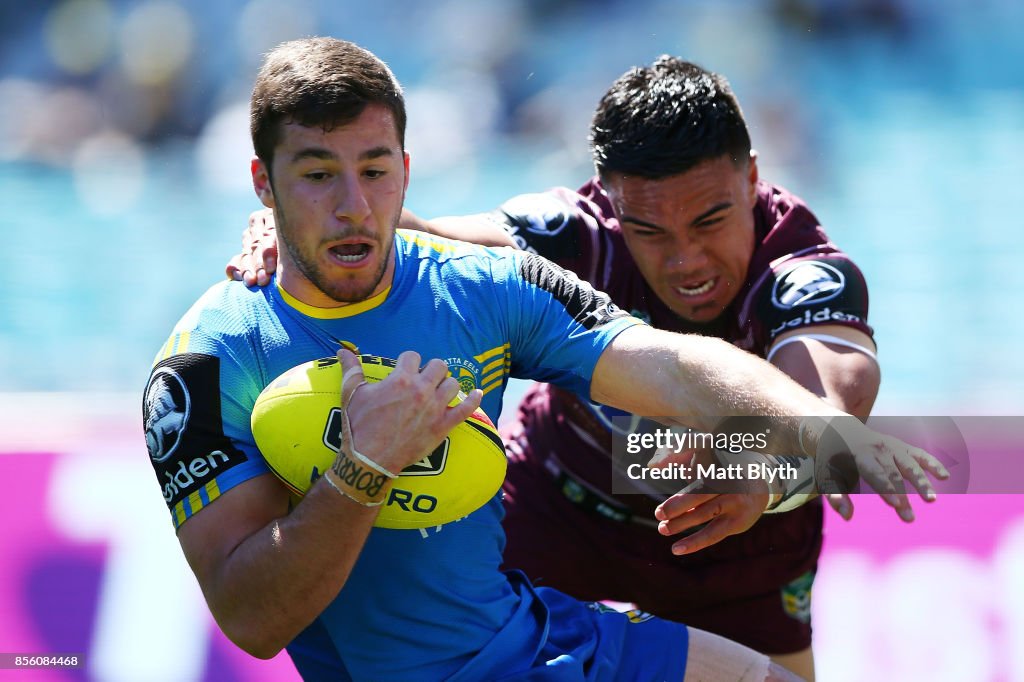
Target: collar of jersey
<point>332,313</point>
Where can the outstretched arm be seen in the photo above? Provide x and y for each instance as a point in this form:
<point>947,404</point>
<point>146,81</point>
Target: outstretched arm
<point>468,228</point>
<point>699,379</point>
<point>845,376</point>
<point>844,373</point>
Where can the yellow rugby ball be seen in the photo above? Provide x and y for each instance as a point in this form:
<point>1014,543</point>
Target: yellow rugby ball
<point>297,426</point>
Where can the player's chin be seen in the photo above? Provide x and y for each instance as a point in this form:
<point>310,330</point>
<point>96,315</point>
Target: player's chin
<point>700,314</point>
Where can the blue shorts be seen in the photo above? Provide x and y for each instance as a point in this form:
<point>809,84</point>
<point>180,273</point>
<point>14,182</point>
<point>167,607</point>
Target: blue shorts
<point>590,642</point>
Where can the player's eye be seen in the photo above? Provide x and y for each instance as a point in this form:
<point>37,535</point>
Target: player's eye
<point>317,176</point>
<point>374,173</point>
<point>644,232</point>
<point>705,224</point>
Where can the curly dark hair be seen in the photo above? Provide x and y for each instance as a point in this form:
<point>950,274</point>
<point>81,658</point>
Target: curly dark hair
<point>665,119</point>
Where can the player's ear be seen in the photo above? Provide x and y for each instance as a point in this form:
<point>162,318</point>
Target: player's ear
<point>752,175</point>
<point>261,181</point>
<point>405,162</point>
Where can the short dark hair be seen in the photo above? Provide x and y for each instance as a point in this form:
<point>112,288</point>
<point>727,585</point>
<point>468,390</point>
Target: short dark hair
<point>665,119</point>
<point>319,82</point>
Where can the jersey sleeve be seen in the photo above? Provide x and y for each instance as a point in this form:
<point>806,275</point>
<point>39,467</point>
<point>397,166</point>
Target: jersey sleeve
<point>809,292</point>
<point>559,324</point>
<point>557,224</point>
<point>196,410</point>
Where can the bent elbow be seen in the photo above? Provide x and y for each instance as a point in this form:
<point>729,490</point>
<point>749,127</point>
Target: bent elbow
<point>262,650</point>
<point>254,639</point>
<point>858,389</point>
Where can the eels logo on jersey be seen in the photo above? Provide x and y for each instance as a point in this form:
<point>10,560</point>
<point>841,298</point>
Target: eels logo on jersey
<point>796,597</point>
<point>807,283</point>
<point>633,615</point>
<point>165,412</point>
<point>465,372</point>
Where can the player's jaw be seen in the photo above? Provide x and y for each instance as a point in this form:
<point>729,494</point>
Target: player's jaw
<point>344,267</point>
<point>354,267</point>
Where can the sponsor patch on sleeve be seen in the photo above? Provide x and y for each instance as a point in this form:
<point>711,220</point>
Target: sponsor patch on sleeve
<point>806,284</point>
<point>542,223</point>
<point>813,292</point>
<point>181,415</point>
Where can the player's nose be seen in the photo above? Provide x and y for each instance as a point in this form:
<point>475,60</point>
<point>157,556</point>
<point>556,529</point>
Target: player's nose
<point>685,256</point>
<point>352,204</point>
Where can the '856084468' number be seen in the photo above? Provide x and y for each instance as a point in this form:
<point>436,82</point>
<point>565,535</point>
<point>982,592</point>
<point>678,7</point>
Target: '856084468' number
<point>40,661</point>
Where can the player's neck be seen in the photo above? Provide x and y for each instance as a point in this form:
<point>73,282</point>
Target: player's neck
<point>301,290</point>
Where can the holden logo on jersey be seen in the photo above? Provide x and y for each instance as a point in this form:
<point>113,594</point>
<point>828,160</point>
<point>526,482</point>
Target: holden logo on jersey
<point>165,412</point>
<point>541,213</point>
<point>465,372</point>
<point>807,283</point>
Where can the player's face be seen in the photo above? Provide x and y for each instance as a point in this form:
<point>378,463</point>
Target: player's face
<point>691,234</point>
<point>337,197</point>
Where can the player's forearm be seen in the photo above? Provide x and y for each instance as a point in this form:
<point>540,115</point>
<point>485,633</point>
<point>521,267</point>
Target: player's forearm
<point>277,581</point>
<point>470,228</point>
<point>699,380</point>
<point>847,380</point>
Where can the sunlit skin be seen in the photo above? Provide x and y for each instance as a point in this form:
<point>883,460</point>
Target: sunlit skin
<point>336,197</point>
<point>692,234</point>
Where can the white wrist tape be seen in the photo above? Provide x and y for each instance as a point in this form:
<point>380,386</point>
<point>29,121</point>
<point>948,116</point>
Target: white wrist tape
<point>355,475</point>
<point>792,491</point>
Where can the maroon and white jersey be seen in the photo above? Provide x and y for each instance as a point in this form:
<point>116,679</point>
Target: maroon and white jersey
<point>797,279</point>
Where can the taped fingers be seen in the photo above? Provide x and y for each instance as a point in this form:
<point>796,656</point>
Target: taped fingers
<point>352,375</point>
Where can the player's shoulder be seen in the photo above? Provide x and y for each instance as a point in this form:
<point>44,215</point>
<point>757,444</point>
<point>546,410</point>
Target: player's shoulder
<point>450,254</point>
<point>557,223</point>
<point>226,314</point>
<point>781,215</point>
<point>228,306</point>
<point>787,229</point>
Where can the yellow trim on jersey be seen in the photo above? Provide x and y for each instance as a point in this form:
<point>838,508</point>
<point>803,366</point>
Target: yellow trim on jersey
<point>178,513</point>
<point>212,491</point>
<point>427,241</point>
<point>488,354</point>
<point>493,365</point>
<point>494,372</point>
<point>492,383</point>
<point>175,345</point>
<point>181,343</point>
<point>165,350</point>
<point>195,502</point>
<point>333,313</point>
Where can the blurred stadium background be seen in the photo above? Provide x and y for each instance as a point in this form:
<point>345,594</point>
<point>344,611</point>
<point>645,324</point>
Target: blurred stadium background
<point>124,188</point>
